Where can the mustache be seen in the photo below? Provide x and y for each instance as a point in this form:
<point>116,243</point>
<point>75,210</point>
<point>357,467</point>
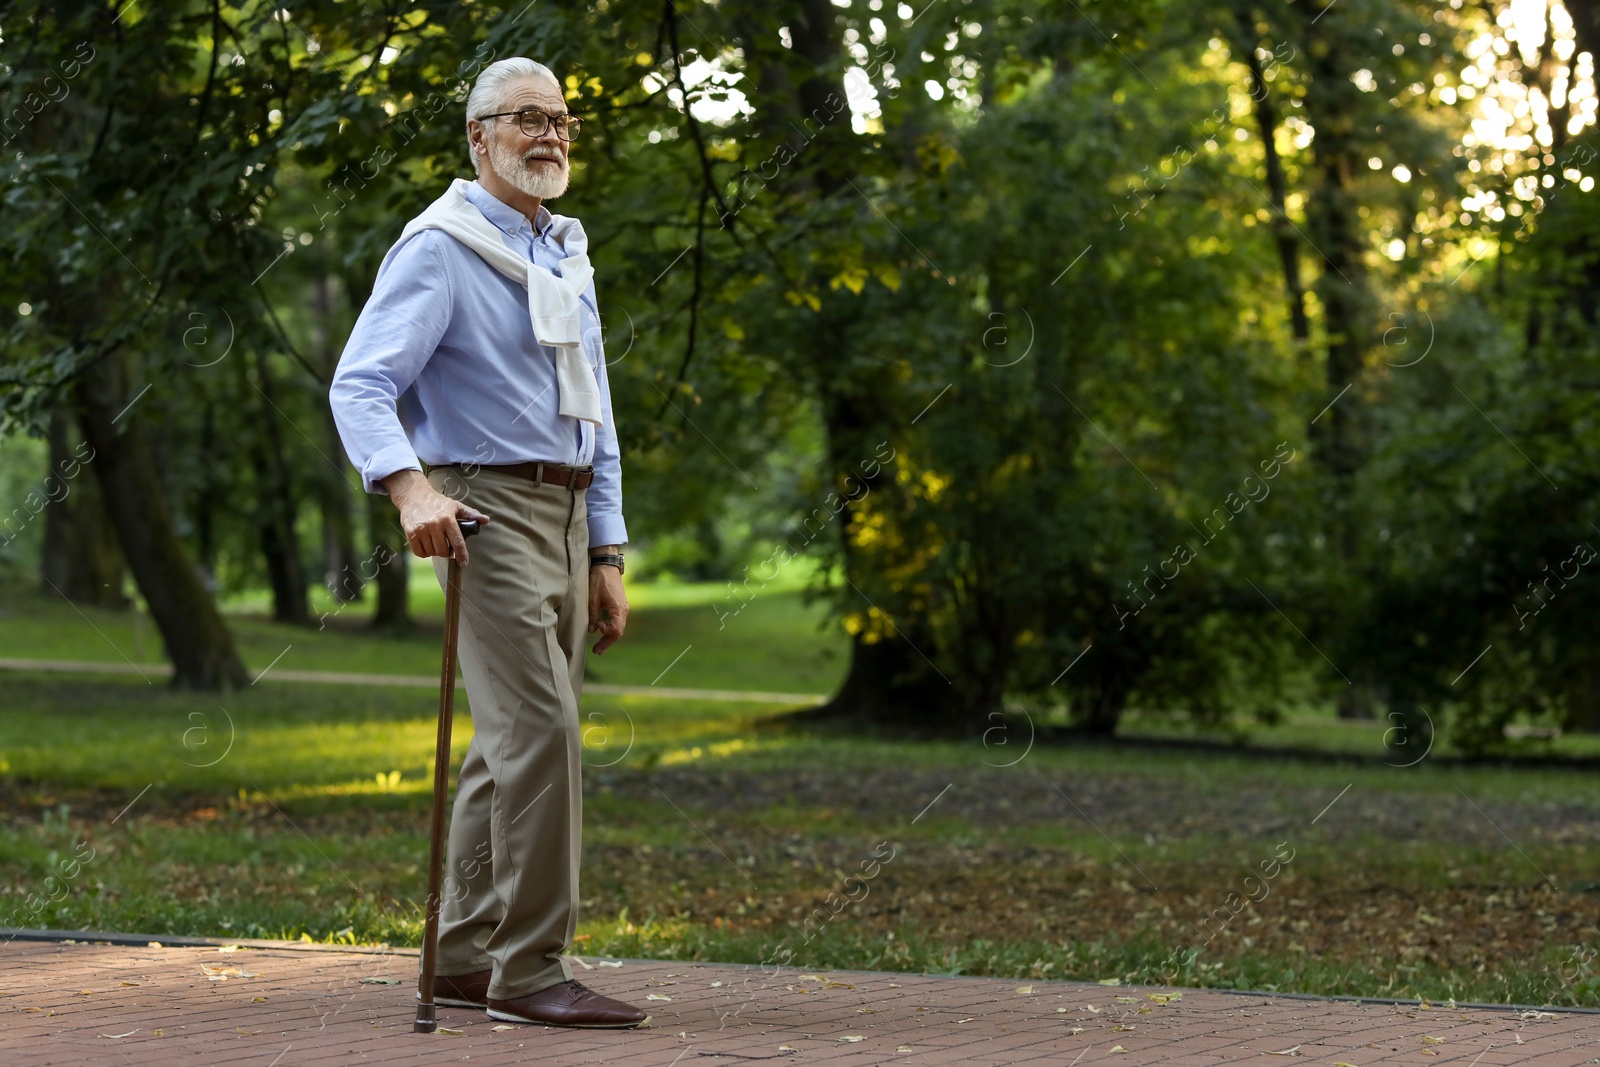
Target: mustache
<point>543,152</point>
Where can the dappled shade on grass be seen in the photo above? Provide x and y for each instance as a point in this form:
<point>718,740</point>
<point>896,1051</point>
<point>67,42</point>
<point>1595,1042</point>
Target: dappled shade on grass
<point>707,837</point>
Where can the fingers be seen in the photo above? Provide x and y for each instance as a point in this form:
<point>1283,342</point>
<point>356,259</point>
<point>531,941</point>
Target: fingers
<point>608,609</point>
<point>434,528</point>
<point>611,629</point>
<point>426,540</point>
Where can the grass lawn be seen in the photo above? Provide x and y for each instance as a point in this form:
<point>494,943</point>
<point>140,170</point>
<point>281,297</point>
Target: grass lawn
<point>679,635</point>
<point>297,810</point>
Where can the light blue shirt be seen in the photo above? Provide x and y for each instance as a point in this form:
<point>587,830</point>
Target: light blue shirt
<point>442,367</point>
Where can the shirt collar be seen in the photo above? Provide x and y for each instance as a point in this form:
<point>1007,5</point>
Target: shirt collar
<point>507,218</point>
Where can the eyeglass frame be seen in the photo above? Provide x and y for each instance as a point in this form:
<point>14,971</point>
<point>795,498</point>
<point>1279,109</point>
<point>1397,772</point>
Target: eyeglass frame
<point>549,122</point>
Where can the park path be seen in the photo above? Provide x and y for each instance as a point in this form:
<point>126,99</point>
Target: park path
<point>282,1004</point>
<point>409,681</point>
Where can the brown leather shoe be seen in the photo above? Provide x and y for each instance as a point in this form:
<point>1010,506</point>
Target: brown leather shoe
<point>461,990</point>
<point>568,1003</point>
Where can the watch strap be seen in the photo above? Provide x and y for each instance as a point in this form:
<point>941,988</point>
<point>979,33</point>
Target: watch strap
<point>611,559</point>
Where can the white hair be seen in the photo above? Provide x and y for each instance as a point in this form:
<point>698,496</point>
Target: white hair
<point>488,92</point>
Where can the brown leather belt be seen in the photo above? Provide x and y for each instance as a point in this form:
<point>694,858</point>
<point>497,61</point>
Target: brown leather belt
<point>563,474</point>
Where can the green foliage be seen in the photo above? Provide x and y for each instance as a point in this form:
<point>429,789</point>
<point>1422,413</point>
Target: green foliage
<point>1055,293</point>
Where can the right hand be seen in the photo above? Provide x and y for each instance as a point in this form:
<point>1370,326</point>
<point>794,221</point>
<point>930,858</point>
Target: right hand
<point>428,518</point>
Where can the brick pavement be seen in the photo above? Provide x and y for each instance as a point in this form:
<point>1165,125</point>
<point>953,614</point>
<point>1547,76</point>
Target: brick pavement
<point>274,1004</point>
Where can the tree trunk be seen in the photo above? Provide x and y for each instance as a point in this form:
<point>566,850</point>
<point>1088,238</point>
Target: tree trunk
<point>890,680</point>
<point>80,558</point>
<point>890,684</point>
<point>340,573</point>
<point>197,639</point>
<point>388,548</point>
<point>1283,234</point>
<point>276,518</point>
<point>1343,289</point>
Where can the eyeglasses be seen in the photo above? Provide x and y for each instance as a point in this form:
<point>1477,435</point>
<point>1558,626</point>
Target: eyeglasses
<point>534,123</point>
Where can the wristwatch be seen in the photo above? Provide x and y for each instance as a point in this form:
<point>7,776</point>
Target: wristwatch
<point>613,559</point>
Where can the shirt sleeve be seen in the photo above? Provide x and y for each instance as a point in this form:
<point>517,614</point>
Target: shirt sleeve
<point>395,335</point>
<point>604,497</point>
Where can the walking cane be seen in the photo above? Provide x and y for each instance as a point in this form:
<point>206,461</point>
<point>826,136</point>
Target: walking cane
<point>426,1022</point>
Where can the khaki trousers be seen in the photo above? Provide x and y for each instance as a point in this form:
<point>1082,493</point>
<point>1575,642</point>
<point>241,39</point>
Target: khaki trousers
<point>510,897</point>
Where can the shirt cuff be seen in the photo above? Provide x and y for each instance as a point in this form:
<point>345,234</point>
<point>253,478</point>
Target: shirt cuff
<point>385,462</point>
<point>607,530</point>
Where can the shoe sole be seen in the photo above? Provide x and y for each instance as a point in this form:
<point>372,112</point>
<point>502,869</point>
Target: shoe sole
<point>507,1017</point>
<point>456,1002</point>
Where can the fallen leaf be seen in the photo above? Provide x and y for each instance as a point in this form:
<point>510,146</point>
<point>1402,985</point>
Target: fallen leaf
<point>1117,1048</point>
<point>1341,1063</point>
<point>851,1039</point>
<point>1164,998</point>
<point>716,985</point>
<point>611,963</point>
<point>85,992</point>
<point>242,1032</point>
<point>829,983</point>
<point>258,1000</point>
<point>127,983</point>
<point>905,1048</point>
<point>787,1048</point>
<point>228,948</point>
<point>130,1033</point>
<point>447,1030</point>
<point>658,996</point>
<point>380,981</point>
<point>1427,1040</point>
<point>1092,1009</point>
<point>968,1019</point>
<point>222,974</point>
<point>158,1032</point>
<point>1532,1016</point>
<point>1127,1000</point>
<point>1295,1051</point>
<point>1025,990</point>
<point>1061,1011</point>
<point>1110,981</point>
<point>502,1026</point>
<point>1121,1028</point>
<point>1076,1030</point>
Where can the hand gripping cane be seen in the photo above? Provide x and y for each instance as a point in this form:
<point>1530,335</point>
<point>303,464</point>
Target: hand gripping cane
<point>426,1022</point>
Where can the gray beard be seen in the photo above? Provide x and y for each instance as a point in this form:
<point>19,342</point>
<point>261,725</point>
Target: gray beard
<point>510,166</point>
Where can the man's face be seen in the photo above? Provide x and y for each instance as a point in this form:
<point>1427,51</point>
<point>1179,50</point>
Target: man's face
<point>535,165</point>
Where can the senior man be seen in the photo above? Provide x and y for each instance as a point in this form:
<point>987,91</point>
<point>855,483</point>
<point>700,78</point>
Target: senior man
<point>477,359</point>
